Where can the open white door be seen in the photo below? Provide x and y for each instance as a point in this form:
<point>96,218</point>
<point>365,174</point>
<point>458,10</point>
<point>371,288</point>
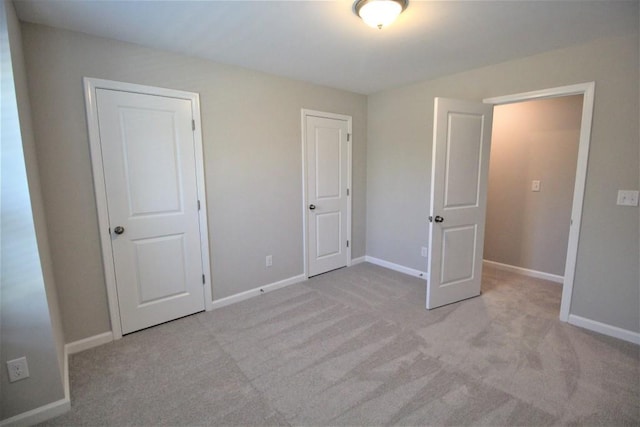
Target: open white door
<point>460,162</point>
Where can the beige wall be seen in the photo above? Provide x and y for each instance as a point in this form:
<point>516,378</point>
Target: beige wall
<point>252,151</point>
<point>251,130</point>
<point>29,319</point>
<point>399,162</point>
<point>534,140</point>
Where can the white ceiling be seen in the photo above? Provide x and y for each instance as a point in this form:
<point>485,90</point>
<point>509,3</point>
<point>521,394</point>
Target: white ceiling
<point>324,42</point>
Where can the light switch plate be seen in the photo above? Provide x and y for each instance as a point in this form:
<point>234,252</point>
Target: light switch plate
<point>535,185</point>
<point>627,198</point>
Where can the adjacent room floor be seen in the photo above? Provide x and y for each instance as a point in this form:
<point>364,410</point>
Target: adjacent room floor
<point>357,347</point>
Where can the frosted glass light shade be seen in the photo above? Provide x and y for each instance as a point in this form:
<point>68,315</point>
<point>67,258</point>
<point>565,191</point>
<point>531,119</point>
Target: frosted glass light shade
<point>379,13</point>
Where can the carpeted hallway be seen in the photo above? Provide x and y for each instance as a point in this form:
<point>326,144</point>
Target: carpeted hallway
<point>357,347</point>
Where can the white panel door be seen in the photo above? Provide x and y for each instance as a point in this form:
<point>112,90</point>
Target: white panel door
<point>327,183</point>
<point>149,166</point>
<point>460,162</point>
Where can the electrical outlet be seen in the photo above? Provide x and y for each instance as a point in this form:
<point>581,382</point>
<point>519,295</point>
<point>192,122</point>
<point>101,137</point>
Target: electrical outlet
<point>627,198</point>
<point>424,252</point>
<point>269,261</point>
<point>18,369</point>
<point>535,185</point>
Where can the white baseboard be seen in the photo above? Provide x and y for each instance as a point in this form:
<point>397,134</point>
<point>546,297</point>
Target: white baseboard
<point>603,328</point>
<point>359,260</point>
<point>223,302</point>
<point>526,272</point>
<point>87,343</point>
<point>38,415</point>
<point>396,267</point>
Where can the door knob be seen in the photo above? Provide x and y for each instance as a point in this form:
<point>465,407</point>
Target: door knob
<point>438,218</point>
<point>118,230</point>
<point>312,207</point>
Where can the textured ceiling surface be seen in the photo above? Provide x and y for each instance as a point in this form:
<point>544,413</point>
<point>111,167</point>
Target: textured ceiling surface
<point>324,42</point>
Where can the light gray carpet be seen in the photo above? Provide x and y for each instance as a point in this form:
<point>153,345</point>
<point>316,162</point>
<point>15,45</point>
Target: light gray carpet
<point>357,347</point>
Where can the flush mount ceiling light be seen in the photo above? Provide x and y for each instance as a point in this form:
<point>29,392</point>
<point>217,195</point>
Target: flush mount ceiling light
<point>379,13</point>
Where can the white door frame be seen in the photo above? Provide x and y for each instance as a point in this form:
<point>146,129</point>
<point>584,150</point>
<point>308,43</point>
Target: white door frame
<point>588,92</point>
<point>305,238</point>
<point>90,87</point>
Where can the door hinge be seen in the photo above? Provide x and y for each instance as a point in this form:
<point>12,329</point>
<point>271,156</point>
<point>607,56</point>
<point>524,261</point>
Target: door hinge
<point>347,191</point>
<point>203,279</point>
<point>347,243</point>
<point>348,137</point>
<point>193,125</point>
<point>430,219</point>
<point>109,230</point>
<point>198,204</point>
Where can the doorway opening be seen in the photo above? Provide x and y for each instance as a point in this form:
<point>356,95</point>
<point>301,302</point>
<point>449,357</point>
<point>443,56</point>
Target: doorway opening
<point>534,152</point>
<point>581,94</point>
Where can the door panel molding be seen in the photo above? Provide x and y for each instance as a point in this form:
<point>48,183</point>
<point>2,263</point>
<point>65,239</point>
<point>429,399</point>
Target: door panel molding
<point>307,113</point>
<point>91,85</point>
<point>459,172</point>
<point>587,90</point>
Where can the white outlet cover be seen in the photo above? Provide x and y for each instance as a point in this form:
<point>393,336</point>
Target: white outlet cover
<point>627,198</point>
<point>18,369</point>
<point>535,185</point>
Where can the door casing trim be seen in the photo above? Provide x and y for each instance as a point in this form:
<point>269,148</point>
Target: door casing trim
<point>587,90</point>
<point>305,238</point>
<point>90,86</point>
